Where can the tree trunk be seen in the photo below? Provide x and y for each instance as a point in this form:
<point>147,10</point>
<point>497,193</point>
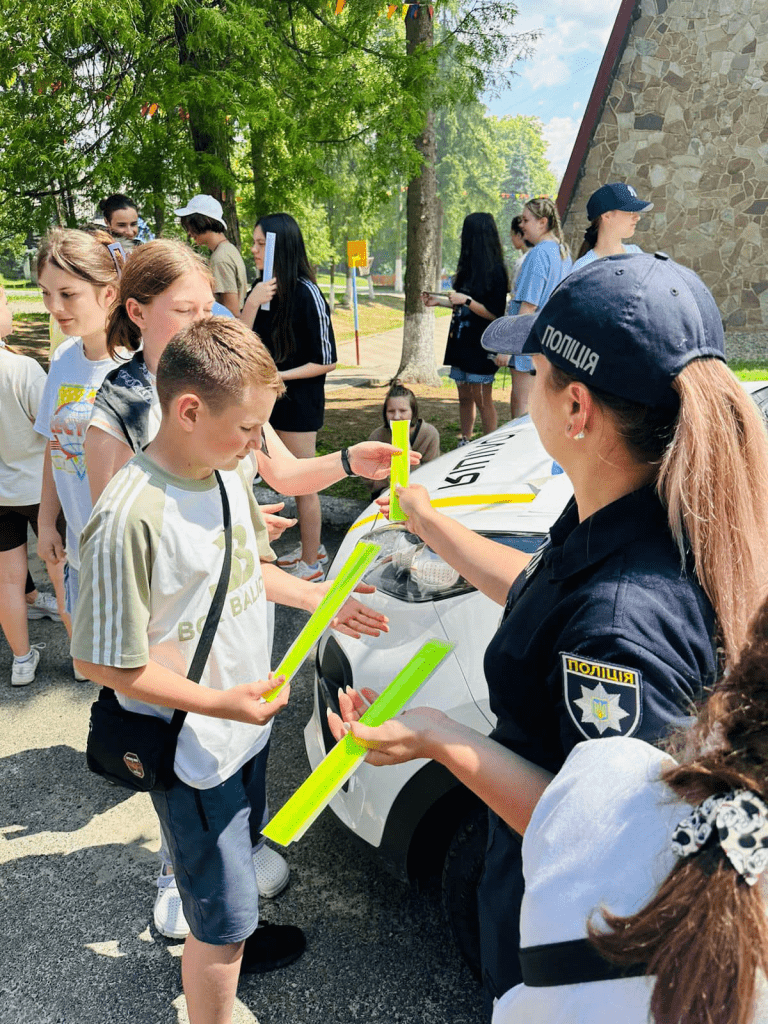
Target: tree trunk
<point>210,132</point>
<point>417,363</point>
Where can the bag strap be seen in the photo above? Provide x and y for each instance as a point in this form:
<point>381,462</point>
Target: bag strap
<point>214,612</point>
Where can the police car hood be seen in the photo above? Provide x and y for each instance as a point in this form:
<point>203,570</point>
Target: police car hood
<point>502,482</point>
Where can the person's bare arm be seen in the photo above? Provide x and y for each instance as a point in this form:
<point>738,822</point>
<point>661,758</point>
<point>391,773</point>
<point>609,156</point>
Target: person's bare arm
<point>286,474</point>
<point>307,370</point>
<point>155,684</point>
<point>486,564</point>
<point>505,782</point>
<point>231,300</point>
<point>50,546</point>
<point>104,456</point>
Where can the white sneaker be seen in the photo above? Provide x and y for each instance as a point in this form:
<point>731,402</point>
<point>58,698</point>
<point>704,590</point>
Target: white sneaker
<point>168,912</point>
<point>272,872</point>
<point>23,672</point>
<point>311,573</point>
<point>290,560</point>
<point>44,607</point>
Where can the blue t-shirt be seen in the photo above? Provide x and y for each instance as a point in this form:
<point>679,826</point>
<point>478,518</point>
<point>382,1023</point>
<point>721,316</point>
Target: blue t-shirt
<point>542,271</point>
<point>590,256</point>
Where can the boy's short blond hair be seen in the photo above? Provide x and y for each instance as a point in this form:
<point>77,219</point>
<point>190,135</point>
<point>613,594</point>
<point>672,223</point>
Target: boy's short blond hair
<point>217,359</point>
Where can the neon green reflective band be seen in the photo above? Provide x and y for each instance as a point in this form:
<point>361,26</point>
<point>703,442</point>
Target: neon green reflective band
<point>297,814</point>
<point>361,557</point>
<point>401,467</point>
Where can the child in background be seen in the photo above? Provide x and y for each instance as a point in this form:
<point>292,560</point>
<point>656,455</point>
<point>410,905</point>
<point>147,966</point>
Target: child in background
<point>217,385</point>
<point>400,404</point>
<point>22,381</point>
<point>78,273</point>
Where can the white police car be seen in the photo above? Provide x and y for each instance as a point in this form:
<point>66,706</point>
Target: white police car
<point>416,815</point>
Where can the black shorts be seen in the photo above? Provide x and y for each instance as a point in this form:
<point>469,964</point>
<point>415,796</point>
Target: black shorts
<point>14,521</point>
<point>302,408</point>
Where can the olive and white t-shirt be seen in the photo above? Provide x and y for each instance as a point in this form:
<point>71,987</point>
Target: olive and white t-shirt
<point>151,556</point>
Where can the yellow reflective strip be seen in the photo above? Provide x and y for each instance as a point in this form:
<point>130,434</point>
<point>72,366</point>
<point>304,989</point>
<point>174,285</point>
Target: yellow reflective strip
<point>466,499</point>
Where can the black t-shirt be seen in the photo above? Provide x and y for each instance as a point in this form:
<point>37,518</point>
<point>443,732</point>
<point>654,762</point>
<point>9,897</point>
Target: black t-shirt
<point>126,392</point>
<point>463,349</point>
<point>606,634</point>
<point>302,407</point>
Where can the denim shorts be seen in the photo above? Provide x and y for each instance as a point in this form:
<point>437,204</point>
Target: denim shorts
<point>523,363</point>
<point>471,378</point>
<point>211,834</point>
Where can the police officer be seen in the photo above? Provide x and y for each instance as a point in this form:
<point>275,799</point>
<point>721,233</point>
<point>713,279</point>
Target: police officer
<point>613,627</point>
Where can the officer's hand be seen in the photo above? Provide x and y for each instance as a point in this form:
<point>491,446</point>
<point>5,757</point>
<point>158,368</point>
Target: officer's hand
<point>400,739</point>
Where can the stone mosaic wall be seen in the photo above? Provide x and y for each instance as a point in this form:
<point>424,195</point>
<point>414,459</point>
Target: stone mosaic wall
<point>686,123</point>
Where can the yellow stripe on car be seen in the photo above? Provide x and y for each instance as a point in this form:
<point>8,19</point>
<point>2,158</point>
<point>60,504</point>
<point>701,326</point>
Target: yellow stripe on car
<point>463,499</point>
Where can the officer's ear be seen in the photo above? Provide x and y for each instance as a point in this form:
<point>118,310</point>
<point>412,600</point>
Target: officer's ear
<point>581,408</point>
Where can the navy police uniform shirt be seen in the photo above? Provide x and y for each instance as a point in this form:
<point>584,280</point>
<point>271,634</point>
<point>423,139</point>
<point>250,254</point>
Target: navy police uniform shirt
<point>605,634</point>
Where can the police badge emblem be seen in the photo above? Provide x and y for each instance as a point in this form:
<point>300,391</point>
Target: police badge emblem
<point>600,697</point>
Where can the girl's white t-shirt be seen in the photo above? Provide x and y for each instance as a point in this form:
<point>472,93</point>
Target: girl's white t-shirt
<point>22,382</point>
<point>63,417</point>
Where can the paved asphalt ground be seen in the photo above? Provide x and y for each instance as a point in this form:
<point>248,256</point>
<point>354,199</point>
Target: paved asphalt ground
<point>77,871</point>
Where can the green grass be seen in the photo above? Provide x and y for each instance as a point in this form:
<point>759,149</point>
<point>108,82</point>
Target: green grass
<point>36,318</point>
<point>749,369</point>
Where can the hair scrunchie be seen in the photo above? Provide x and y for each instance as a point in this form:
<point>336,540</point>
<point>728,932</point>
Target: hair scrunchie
<point>739,820</point>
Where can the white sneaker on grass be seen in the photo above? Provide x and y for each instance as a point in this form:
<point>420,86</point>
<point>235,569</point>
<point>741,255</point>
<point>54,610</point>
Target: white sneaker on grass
<point>290,560</point>
<point>168,911</point>
<point>23,672</point>
<point>44,607</point>
<point>272,872</point>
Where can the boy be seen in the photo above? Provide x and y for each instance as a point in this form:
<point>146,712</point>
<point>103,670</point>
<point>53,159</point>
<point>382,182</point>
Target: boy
<point>202,219</point>
<point>152,555</point>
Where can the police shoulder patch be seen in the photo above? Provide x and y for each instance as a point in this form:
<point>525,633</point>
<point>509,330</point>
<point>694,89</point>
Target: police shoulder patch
<point>601,698</point>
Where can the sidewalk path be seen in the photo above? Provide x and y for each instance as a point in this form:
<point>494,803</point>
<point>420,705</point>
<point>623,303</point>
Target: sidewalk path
<point>379,357</point>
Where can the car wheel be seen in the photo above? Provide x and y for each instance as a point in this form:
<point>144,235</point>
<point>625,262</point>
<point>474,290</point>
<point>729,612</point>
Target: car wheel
<point>461,873</point>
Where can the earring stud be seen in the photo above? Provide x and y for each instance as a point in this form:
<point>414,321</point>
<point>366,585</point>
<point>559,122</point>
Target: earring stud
<point>580,436</point>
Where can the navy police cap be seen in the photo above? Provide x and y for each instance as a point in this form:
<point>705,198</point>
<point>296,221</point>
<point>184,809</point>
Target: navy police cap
<point>626,325</point>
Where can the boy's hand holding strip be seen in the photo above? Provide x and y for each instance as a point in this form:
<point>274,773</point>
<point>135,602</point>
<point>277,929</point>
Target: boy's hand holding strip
<point>349,576</point>
<point>294,817</point>
<point>401,467</point>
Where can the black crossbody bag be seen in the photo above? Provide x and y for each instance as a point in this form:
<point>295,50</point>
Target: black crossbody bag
<point>137,751</point>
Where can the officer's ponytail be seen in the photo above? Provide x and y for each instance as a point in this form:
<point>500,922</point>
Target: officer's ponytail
<point>704,936</point>
<point>714,482</point>
<point>712,476</point>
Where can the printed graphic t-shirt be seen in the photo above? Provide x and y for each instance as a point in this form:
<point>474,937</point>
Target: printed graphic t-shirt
<point>63,417</point>
<point>151,558</point>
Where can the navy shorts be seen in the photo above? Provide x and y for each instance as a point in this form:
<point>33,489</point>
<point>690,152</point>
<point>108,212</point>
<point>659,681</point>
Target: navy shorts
<point>211,835</point>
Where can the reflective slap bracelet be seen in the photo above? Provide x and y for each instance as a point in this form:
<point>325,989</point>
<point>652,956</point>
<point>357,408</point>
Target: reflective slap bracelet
<point>349,576</point>
<point>294,817</point>
<point>401,467</point>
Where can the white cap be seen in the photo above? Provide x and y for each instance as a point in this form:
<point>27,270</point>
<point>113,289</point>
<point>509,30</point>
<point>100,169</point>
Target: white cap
<point>207,205</point>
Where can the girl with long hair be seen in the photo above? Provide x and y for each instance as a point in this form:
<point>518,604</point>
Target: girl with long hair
<point>643,591</point>
<point>613,212</point>
<point>78,273</point>
<point>545,266</point>
<point>297,330</point>
<point>121,215</point>
<point>480,287</point>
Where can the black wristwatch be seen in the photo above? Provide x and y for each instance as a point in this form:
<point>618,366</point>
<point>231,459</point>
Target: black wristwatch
<point>467,301</point>
<point>345,462</point>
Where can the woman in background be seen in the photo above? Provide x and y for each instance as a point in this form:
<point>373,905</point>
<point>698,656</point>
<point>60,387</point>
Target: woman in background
<point>613,213</point>
<point>480,291</point>
<point>545,266</point>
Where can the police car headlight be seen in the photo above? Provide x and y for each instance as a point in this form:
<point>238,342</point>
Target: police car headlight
<point>409,570</point>
<point>406,568</point>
